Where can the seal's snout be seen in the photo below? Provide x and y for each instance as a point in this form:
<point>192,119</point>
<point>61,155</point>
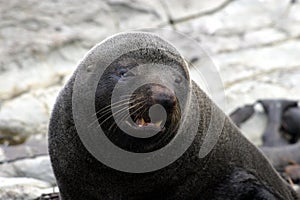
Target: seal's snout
<point>163,96</point>
<point>146,97</point>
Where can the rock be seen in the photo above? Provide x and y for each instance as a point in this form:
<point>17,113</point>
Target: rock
<point>236,18</point>
<point>184,9</point>
<point>261,60</point>
<point>38,168</point>
<point>59,23</point>
<point>143,14</point>
<point>7,170</point>
<point>17,123</point>
<point>21,188</point>
<point>22,117</point>
<point>254,127</point>
<point>226,30</point>
<point>35,145</point>
<point>262,37</point>
<point>289,20</point>
<point>288,79</point>
<point>47,96</point>
<point>2,155</point>
<point>249,91</point>
<point>15,82</point>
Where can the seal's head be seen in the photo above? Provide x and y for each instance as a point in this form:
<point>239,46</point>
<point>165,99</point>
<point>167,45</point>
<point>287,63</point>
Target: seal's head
<point>141,96</point>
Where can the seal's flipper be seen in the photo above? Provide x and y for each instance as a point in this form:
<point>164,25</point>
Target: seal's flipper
<point>242,114</point>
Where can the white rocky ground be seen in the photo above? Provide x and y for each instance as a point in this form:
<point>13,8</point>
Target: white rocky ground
<point>254,43</point>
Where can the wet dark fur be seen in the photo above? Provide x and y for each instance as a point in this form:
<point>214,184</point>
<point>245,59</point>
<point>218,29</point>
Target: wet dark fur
<point>234,169</point>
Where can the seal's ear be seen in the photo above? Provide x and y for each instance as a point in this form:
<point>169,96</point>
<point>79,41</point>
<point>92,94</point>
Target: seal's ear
<point>242,185</point>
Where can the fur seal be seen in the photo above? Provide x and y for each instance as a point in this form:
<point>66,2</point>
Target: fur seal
<point>233,169</point>
<point>283,120</point>
<point>275,109</point>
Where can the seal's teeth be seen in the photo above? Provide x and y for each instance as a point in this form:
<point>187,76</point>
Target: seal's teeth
<point>158,123</point>
<point>140,122</point>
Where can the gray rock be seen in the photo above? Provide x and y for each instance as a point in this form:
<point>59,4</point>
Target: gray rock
<point>236,18</point>
<point>261,60</point>
<point>27,114</point>
<point>241,24</point>
<point>15,82</point>
<point>21,188</point>
<point>261,37</point>
<point>289,20</point>
<point>255,126</point>
<point>183,9</point>
<point>48,25</point>
<point>37,168</point>
<point>2,155</point>
<point>16,121</point>
<point>143,14</point>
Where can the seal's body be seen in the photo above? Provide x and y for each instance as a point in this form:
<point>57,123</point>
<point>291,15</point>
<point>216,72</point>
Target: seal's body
<point>233,169</point>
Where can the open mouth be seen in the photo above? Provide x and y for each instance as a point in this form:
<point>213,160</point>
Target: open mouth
<point>141,122</point>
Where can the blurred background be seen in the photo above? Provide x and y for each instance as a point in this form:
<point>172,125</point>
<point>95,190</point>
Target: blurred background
<point>255,44</point>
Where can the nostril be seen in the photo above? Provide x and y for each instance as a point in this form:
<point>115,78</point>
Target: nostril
<point>165,100</point>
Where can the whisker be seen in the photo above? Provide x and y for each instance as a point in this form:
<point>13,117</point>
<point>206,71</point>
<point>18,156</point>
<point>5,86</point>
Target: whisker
<point>138,110</point>
<point>115,104</point>
<point>141,106</point>
<point>128,115</point>
<point>113,125</point>
<point>128,95</point>
<point>107,111</point>
<point>132,106</point>
<point>104,112</point>
<point>141,114</point>
<point>108,106</point>
<point>120,111</point>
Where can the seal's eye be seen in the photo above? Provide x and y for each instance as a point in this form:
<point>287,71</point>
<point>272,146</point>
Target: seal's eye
<point>178,79</point>
<point>122,72</point>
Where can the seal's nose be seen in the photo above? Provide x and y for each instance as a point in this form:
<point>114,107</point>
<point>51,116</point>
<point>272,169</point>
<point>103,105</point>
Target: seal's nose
<point>166,101</point>
<point>163,96</point>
